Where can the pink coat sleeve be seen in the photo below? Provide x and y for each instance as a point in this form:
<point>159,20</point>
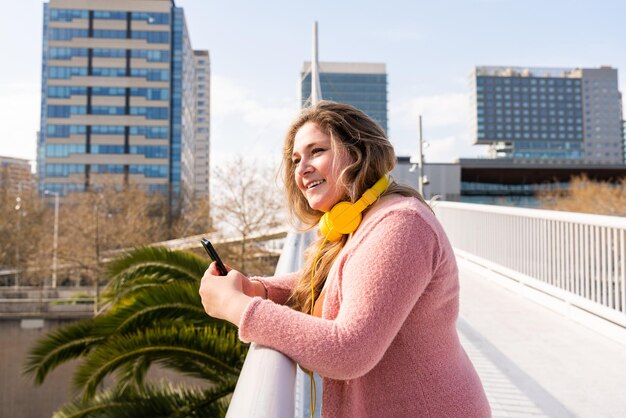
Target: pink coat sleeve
<point>278,287</point>
<point>381,280</point>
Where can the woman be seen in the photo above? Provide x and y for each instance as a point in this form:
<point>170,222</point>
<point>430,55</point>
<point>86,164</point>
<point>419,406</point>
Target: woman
<point>385,297</point>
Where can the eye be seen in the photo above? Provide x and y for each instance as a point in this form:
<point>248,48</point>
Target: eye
<point>315,151</point>
<point>295,161</point>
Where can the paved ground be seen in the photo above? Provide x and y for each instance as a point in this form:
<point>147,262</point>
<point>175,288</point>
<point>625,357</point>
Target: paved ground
<point>535,362</point>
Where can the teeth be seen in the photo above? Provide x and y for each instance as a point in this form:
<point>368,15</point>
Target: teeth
<point>315,183</point>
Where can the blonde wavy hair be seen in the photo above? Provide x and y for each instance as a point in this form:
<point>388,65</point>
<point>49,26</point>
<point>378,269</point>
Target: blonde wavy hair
<point>353,132</point>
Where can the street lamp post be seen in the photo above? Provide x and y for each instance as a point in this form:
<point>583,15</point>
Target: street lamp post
<point>18,207</point>
<point>55,241</point>
<point>419,162</point>
<point>96,211</point>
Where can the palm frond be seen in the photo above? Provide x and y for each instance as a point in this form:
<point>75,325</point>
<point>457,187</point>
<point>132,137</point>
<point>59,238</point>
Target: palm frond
<point>211,353</point>
<point>151,401</point>
<point>149,261</point>
<point>59,346</point>
<point>164,303</point>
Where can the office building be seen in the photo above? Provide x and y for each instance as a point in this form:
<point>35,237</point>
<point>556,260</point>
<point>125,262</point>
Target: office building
<point>202,144</point>
<point>118,96</point>
<point>440,179</point>
<point>624,136</point>
<point>548,114</point>
<point>362,85</point>
<point>15,175</point>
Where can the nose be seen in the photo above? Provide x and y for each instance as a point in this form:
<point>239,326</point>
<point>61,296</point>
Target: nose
<point>304,167</point>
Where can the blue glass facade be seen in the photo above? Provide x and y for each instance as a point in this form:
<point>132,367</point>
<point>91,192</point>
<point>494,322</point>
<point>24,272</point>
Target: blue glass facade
<point>84,111</point>
<point>366,92</point>
<point>547,114</point>
<point>41,138</point>
<point>176,105</point>
<point>541,117</point>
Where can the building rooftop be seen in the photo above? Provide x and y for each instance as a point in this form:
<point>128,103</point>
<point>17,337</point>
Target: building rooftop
<point>508,71</point>
<point>347,67</point>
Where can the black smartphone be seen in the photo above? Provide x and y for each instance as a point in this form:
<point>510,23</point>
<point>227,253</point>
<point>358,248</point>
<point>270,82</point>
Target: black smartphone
<point>214,256</point>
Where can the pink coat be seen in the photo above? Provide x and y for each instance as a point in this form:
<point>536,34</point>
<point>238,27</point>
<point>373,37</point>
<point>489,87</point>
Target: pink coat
<point>386,345</point>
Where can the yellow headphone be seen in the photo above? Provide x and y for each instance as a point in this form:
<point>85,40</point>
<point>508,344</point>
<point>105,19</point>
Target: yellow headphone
<point>345,217</point>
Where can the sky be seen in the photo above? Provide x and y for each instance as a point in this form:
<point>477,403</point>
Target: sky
<point>257,49</point>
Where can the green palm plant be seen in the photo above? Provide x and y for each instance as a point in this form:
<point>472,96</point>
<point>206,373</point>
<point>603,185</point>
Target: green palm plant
<point>152,315</point>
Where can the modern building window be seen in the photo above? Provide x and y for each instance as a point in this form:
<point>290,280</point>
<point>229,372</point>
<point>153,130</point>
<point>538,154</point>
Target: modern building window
<point>63,92</point>
<point>150,112</point>
<point>108,72</point>
<point>108,110</point>
<point>150,151</point>
<point>152,18</point>
<point>109,53</point>
<point>150,94</point>
<point>149,170</point>
<point>106,14</point>
<point>107,149</point>
<point>64,111</point>
<point>67,34</point>
<point>150,74</point>
<point>66,72</point>
<point>64,150</point>
<point>63,170</point>
<point>67,15</point>
<point>153,37</point>
<point>152,55</point>
<point>64,131</point>
<point>108,91</point>
<point>107,130</point>
<point>57,53</point>
<point>107,168</point>
<point>109,33</point>
<point>150,132</point>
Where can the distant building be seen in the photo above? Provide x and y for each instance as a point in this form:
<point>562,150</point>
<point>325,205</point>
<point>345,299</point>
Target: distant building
<point>624,135</point>
<point>548,114</point>
<point>443,179</point>
<point>500,181</point>
<point>15,175</point>
<point>118,96</point>
<point>202,143</point>
<point>362,85</point>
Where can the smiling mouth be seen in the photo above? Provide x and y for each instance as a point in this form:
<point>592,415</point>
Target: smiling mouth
<point>315,184</point>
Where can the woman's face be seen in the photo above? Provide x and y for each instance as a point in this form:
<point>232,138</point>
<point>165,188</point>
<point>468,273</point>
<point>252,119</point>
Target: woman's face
<point>317,167</point>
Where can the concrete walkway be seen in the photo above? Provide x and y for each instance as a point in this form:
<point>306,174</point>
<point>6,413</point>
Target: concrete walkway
<point>534,362</point>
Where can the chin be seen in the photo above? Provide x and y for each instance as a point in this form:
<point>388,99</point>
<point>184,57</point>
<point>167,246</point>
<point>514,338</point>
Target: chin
<point>319,206</point>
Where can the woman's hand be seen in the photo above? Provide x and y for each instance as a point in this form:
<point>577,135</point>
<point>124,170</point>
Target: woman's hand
<point>224,297</point>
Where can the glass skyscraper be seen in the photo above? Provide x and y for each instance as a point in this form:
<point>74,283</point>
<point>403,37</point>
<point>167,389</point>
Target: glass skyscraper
<point>118,96</point>
<point>362,85</point>
<point>548,113</point>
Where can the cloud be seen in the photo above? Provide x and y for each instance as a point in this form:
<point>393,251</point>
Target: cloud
<point>437,111</point>
<point>245,125</point>
<point>451,148</point>
<point>230,99</point>
<point>19,106</point>
<point>445,127</point>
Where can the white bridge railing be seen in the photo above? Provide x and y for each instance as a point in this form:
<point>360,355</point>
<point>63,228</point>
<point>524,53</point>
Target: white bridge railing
<point>270,385</point>
<point>578,258</point>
